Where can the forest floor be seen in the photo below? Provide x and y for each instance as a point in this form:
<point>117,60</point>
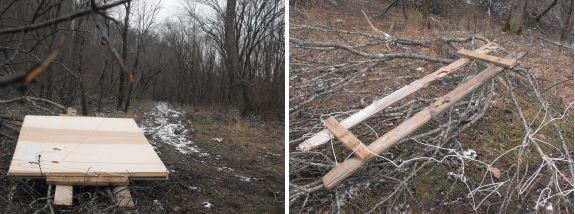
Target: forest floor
<point>216,164</point>
<point>433,189</point>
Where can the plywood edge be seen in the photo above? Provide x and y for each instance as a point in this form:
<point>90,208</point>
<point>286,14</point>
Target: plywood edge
<point>88,181</point>
<point>132,176</point>
<point>63,195</point>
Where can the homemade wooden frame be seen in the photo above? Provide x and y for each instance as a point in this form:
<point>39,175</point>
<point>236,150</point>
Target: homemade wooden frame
<point>345,169</point>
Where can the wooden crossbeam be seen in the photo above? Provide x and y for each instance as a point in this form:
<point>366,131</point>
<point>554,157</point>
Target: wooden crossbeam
<point>88,181</point>
<point>342,171</point>
<point>347,138</point>
<point>324,136</point>
<point>487,58</point>
<point>123,196</point>
<point>63,195</point>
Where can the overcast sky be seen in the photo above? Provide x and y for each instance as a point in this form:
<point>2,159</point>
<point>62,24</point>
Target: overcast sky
<point>170,9</point>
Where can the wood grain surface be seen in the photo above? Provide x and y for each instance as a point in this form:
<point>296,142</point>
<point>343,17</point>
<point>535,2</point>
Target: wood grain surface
<point>84,146</point>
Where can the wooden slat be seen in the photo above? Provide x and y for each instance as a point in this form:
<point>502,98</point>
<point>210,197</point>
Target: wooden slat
<point>342,171</point>
<point>63,195</point>
<point>88,181</point>
<point>123,196</point>
<point>347,138</point>
<point>324,136</point>
<point>486,58</point>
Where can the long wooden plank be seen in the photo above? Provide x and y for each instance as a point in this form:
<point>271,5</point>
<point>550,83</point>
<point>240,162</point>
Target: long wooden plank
<point>347,138</point>
<point>486,58</point>
<point>88,181</point>
<point>63,195</point>
<point>324,136</point>
<point>342,171</point>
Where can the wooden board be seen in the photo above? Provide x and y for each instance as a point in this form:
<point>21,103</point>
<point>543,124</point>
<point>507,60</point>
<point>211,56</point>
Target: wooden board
<point>347,138</point>
<point>324,136</point>
<point>351,165</point>
<point>88,180</point>
<point>84,146</point>
<point>123,196</point>
<point>63,195</point>
<point>486,58</point>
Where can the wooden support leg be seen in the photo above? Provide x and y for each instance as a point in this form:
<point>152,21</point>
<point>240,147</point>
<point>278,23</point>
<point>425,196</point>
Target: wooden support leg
<point>123,196</point>
<point>63,195</point>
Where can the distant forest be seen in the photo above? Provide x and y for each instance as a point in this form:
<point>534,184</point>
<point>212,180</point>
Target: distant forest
<point>107,44</point>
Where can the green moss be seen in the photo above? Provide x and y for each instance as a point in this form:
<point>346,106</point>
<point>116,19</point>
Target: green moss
<point>426,196</point>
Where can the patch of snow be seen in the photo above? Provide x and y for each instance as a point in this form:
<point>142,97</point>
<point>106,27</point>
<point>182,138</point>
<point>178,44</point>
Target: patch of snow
<point>157,203</point>
<point>244,179</point>
<point>218,139</point>
<point>549,207</point>
<point>470,153</point>
<point>420,69</point>
<point>164,124</point>
<point>457,176</point>
<point>193,188</point>
<point>207,204</point>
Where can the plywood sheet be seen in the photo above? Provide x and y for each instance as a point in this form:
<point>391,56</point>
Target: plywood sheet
<point>84,146</point>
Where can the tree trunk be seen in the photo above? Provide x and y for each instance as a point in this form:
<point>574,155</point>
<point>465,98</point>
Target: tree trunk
<point>516,16</point>
<point>426,12</point>
<point>566,25</point>
<point>233,58</point>
<point>124,56</point>
<point>545,11</point>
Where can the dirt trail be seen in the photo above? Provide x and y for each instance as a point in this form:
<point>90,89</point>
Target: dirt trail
<point>218,167</point>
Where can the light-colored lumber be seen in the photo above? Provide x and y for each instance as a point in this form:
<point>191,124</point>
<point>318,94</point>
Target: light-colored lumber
<point>72,111</point>
<point>347,138</point>
<point>63,195</point>
<point>324,136</point>
<point>87,180</point>
<point>487,58</point>
<point>342,171</point>
<point>84,146</point>
<point>123,196</point>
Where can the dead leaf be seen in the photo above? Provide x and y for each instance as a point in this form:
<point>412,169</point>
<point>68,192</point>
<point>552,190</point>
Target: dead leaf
<point>475,145</point>
<point>496,172</point>
<point>542,137</point>
<point>565,178</point>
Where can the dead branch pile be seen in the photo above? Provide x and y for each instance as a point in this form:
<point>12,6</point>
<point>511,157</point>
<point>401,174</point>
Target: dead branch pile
<point>352,69</point>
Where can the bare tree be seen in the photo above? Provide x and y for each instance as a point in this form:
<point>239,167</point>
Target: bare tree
<point>516,16</point>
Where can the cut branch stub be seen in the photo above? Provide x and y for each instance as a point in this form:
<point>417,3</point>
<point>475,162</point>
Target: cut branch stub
<point>347,138</point>
<point>486,58</point>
